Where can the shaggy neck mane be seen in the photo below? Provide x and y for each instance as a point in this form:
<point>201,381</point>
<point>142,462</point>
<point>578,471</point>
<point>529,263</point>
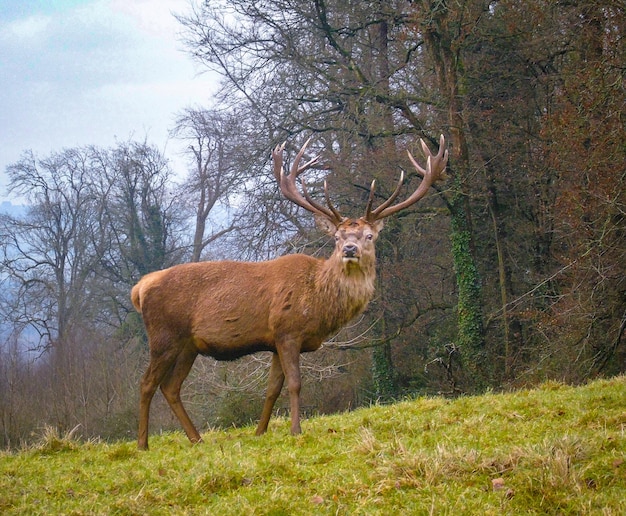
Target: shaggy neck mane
<point>345,289</point>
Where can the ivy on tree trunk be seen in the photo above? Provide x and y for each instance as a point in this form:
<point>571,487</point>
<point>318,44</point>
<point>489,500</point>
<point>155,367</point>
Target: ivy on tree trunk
<point>470,337</point>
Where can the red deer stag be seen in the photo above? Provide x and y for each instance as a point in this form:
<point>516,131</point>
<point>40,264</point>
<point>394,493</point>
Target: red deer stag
<point>287,306</point>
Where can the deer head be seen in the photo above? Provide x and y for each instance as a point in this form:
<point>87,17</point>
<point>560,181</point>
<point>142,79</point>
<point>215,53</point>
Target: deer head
<point>355,237</point>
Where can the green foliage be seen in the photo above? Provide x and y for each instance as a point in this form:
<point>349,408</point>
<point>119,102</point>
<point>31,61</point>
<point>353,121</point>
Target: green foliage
<point>470,339</point>
<point>553,450</point>
<point>132,327</point>
<point>383,373</point>
<point>238,408</point>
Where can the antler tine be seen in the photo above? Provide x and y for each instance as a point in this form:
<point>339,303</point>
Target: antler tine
<point>370,200</point>
<point>336,213</point>
<point>296,169</point>
<point>277,157</point>
<point>435,166</point>
<point>288,186</point>
<point>330,213</point>
<point>388,202</point>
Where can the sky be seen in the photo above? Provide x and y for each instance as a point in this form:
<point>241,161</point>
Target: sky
<point>93,72</point>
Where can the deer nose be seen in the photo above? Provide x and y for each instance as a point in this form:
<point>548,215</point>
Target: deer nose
<point>350,250</point>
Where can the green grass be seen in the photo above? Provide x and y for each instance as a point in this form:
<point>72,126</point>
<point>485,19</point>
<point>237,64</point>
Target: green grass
<point>551,450</point>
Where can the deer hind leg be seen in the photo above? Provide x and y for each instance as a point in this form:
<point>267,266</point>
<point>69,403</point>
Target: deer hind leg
<point>170,387</point>
<point>159,365</point>
<point>274,386</point>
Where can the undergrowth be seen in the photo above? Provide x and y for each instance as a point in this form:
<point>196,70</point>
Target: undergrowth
<point>551,450</point>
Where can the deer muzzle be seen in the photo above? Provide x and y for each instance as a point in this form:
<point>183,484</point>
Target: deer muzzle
<point>350,253</point>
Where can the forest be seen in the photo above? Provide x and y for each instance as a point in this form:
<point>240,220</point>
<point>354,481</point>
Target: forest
<point>510,272</point>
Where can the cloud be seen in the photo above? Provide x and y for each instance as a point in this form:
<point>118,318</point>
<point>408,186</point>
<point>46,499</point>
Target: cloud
<point>149,15</point>
<point>26,29</point>
<point>76,48</point>
<point>90,72</point>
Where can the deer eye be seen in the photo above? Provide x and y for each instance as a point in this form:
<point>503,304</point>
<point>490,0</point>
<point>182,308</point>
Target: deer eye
<point>369,236</point>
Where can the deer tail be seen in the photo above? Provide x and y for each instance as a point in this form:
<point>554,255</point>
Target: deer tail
<point>135,296</point>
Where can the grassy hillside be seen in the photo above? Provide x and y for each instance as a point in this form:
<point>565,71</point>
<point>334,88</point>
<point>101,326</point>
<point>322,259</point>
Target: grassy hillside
<point>553,450</point>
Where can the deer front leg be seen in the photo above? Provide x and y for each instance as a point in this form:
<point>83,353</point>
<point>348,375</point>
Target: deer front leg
<point>289,355</point>
<point>274,386</point>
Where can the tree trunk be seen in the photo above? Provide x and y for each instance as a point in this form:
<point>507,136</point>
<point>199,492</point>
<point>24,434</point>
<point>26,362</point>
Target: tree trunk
<point>470,338</point>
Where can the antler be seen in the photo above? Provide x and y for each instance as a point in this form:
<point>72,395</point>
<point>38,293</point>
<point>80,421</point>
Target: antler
<point>288,187</point>
<point>435,167</point>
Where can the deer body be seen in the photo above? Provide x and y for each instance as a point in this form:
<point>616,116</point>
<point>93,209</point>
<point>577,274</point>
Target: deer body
<point>288,306</point>
<point>230,309</point>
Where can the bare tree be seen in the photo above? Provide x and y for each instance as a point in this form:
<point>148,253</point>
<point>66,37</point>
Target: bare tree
<point>140,209</point>
<point>96,219</point>
<point>218,171</point>
<point>52,254</point>
<point>50,259</point>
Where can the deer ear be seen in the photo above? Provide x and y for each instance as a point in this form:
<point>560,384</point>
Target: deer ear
<point>326,225</point>
<point>378,225</point>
